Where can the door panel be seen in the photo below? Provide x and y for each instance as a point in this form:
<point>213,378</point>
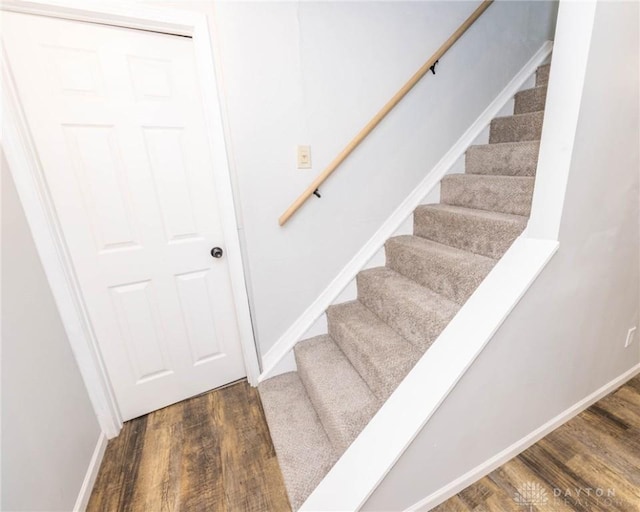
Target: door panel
<point>117,122</point>
<point>165,151</point>
<point>99,170</point>
<point>194,292</point>
<point>141,329</point>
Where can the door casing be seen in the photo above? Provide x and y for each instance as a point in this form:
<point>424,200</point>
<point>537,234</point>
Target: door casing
<point>29,180</point>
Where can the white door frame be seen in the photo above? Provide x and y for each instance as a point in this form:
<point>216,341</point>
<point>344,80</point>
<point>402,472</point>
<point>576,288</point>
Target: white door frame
<point>25,168</point>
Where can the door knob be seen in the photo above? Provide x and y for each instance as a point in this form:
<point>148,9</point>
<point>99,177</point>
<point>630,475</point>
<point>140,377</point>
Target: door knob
<point>217,252</point>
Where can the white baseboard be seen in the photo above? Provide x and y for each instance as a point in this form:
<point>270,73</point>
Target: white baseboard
<point>92,472</point>
<point>295,332</point>
<point>480,471</point>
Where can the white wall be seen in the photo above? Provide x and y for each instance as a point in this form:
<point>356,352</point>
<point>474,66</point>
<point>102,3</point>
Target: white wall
<point>49,429</point>
<point>565,339</point>
<point>315,73</point>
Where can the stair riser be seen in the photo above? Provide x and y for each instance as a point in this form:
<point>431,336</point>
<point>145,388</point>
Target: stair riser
<point>518,159</point>
<point>531,100</point>
<point>343,401</point>
<point>417,323</point>
<point>305,462</point>
<point>524,127</point>
<point>542,75</point>
<point>381,379</point>
<point>503,195</point>
<point>453,279</point>
<point>480,236</point>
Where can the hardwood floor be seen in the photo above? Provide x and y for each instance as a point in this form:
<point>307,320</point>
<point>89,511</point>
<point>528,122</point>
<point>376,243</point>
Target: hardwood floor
<point>210,453</point>
<point>591,463</point>
<point>213,453</point>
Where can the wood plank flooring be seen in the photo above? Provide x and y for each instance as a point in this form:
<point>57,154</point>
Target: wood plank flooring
<point>213,453</point>
<point>591,463</point>
<point>210,453</point>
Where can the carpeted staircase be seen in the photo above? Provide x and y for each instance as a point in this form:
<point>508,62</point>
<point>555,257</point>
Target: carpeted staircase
<point>344,377</point>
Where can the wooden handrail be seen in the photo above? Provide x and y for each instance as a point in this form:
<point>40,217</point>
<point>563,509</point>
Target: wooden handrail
<point>382,113</point>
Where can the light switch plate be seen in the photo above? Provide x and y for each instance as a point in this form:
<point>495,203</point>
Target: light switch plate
<point>304,157</point>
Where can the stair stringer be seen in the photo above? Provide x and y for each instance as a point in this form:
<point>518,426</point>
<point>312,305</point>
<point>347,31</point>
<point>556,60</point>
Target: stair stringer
<point>279,358</point>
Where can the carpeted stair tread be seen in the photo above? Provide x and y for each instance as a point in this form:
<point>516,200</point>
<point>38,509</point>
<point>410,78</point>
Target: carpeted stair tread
<point>503,194</point>
<point>505,158</point>
<point>379,354</point>
<point>516,128</point>
<point>530,100</point>
<point>478,231</point>
<point>448,271</point>
<point>542,75</point>
<point>304,451</point>
<point>342,399</point>
<point>417,313</point>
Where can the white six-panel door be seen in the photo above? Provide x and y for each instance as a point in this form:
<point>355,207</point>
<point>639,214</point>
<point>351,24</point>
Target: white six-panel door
<point>117,122</point>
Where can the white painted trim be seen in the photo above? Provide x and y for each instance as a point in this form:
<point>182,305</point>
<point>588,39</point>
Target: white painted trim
<point>564,96</point>
<point>361,468</point>
<point>212,102</point>
<point>92,473</point>
<point>106,12</point>
<point>25,168</point>
<point>480,471</point>
<point>294,333</point>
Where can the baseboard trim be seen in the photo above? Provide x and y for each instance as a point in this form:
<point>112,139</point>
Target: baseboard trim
<point>294,333</point>
<point>92,472</point>
<point>482,470</point>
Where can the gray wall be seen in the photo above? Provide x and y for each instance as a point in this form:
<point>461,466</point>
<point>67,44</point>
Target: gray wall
<point>49,429</point>
<point>565,339</point>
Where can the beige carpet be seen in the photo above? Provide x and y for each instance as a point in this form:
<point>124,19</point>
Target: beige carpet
<point>314,414</point>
